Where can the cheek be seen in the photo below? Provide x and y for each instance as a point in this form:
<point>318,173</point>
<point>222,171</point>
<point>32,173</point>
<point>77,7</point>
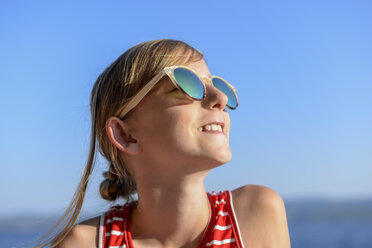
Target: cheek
<point>228,125</point>
<point>171,128</point>
<point>178,124</point>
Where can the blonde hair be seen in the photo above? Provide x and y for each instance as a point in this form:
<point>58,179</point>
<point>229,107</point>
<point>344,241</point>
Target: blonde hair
<point>113,88</point>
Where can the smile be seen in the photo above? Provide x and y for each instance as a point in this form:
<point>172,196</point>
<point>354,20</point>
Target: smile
<point>213,127</point>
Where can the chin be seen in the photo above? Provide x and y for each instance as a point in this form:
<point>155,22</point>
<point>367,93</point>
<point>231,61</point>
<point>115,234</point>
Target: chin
<point>224,154</point>
<point>224,158</point>
<point>220,159</point>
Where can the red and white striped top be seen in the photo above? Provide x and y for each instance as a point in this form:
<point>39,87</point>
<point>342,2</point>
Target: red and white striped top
<point>222,230</point>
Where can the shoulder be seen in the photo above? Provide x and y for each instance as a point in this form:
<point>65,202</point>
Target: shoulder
<point>261,215</point>
<point>83,235</point>
<point>255,197</point>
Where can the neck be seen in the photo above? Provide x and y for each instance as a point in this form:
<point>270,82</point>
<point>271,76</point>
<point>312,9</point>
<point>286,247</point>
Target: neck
<point>171,213</point>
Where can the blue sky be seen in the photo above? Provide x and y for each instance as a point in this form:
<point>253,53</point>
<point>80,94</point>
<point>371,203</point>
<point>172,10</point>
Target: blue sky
<point>302,70</point>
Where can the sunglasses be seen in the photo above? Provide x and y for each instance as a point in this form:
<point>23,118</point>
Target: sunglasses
<point>186,80</point>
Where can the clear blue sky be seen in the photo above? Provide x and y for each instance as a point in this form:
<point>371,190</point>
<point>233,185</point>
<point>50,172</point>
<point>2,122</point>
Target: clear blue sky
<point>303,71</point>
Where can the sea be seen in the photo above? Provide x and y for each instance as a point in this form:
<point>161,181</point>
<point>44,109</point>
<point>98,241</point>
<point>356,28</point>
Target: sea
<point>311,223</point>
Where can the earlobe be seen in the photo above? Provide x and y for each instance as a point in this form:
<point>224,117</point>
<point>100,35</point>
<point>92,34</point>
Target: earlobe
<point>119,135</point>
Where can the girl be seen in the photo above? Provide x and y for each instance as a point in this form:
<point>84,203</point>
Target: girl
<point>160,120</point>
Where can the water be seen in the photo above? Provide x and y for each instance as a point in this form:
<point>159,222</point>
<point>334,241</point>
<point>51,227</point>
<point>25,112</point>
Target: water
<point>331,234</point>
<point>20,232</point>
<point>12,239</point>
<point>316,224</point>
<point>20,239</point>
<point>311,225</point>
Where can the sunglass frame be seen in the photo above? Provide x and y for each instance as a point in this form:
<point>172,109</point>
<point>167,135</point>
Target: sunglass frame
<point>169,71</point>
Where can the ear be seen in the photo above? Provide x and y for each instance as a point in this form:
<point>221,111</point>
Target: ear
<point>119,135</point>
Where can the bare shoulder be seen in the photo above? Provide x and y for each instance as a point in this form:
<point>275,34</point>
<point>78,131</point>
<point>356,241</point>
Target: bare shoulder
<point>261,215</point>
<point>254,197</point>
<point>83,235</point>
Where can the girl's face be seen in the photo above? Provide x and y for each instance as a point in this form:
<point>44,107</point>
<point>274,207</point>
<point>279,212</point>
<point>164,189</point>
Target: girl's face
<point>172,129</point>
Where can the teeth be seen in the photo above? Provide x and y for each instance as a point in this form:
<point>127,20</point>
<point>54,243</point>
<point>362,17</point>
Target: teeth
<point>211,127</point>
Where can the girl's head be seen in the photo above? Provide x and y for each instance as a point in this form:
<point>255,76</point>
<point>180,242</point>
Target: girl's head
<point>115,87</point>
<point>165,136</point>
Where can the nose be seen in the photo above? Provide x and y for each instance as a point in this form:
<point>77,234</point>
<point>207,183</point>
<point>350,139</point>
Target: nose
<point>214,98</point>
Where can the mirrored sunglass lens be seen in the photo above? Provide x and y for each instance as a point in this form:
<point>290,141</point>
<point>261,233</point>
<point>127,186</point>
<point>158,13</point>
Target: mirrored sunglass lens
<point>189,82</point>
<point>222,86</point>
